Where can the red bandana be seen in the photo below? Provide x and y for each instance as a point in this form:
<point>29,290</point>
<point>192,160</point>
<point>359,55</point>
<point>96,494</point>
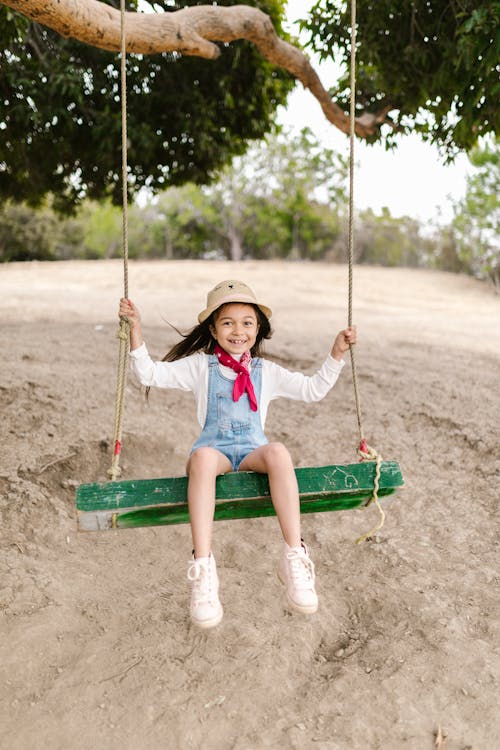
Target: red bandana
<point>242,382</point>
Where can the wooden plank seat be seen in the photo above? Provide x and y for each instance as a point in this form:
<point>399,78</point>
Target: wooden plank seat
<point>153,502</point>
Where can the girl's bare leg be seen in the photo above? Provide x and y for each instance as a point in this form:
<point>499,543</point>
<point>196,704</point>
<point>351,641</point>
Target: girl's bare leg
<point>203,467</point>
<point>295,568</point>
<point>274,460</point>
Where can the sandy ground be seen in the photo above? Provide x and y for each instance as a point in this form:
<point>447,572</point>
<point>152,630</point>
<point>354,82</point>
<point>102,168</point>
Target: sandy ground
<point>96,648</point>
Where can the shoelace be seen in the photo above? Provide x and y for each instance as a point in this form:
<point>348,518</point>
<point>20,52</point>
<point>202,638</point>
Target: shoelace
<point>301,569</point>
<point>201,578</point>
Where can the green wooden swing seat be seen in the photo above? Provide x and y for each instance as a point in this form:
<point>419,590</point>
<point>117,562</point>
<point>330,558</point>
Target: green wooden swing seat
<point>245,494</point>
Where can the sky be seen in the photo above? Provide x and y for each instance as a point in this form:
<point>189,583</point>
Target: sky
<point>410,180</point>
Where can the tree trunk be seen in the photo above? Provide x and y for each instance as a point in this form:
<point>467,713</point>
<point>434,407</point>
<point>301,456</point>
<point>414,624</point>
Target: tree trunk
<point>235,247</point>
<point>169,248</point>
<point>190,31</point>
<point>294,253</point>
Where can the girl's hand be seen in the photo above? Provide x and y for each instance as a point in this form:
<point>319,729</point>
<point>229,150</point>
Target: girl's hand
<point>129,310</point>
<point>342,342</point>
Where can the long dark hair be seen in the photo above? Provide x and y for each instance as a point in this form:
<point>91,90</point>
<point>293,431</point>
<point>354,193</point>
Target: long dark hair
<point>200,338</point>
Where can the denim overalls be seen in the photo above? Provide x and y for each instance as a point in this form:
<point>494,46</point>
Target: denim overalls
<point>231,426</point>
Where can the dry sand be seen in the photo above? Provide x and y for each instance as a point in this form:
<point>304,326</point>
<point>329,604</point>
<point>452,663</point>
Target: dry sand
<point>96,649</point>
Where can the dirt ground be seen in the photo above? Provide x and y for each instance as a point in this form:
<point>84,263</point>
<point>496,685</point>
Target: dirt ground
<point>96,647</point>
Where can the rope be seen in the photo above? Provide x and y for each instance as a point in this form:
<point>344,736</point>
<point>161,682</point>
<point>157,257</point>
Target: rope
<point>123,72</point>
<point>365,452</point>
<point>124,331</point>
<point>352,114</point>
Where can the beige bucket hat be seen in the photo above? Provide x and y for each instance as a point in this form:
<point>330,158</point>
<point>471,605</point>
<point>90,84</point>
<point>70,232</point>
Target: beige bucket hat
<point>230,291</point>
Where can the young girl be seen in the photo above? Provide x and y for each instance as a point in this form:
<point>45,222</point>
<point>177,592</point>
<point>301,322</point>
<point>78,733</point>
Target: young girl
<point>220,362</point>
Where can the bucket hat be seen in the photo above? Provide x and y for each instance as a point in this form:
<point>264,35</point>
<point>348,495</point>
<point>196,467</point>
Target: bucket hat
<point>231,291</point>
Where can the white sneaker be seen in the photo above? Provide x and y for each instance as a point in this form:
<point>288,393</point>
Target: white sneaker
<point>206,609</point>
<point>296,572</point>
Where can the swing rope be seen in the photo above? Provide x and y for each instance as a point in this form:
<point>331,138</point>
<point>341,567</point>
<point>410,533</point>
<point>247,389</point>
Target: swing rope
<point>365,451</point>
<point>124,330</point>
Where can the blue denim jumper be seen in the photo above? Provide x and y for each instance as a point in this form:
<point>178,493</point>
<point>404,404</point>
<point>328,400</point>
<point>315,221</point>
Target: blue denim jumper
<point>231,426</point>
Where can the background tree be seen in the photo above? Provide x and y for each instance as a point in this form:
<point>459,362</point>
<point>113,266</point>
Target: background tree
<point>389,241</point>
<point>26,235</point>
<point>477,216</point>
<point>102,229</point>
<point>433,65</point>
<point>297,173</point>
<point>289,175</point>
<point>60,112</point>
<point>445,250</point>
<point>265,234</point>
<point>184,223</point>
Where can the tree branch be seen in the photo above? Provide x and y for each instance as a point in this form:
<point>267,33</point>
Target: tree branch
<point>190,31</point>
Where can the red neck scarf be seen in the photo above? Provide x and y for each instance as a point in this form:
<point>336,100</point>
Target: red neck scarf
<point>242,382</point>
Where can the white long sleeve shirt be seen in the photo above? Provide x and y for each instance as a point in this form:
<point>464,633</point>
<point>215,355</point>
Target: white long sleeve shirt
<point>191,374</point>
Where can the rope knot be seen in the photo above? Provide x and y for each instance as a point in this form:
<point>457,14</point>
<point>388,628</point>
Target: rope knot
<point>367,453</point>
<point>124,330</point>
<point>115,471</point>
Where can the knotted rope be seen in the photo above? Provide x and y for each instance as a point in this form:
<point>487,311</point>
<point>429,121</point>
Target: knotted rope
<point>124,330</point>
<point>366,452</point>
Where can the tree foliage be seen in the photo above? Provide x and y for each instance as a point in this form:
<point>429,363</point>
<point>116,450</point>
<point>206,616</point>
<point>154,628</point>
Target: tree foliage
<point>184,223</point>
<point>389,241</point>
<point>268,199</point>
<point>60,121</point>
<point>433,64</point>
<point>26,235</point>
<point>477,216</point>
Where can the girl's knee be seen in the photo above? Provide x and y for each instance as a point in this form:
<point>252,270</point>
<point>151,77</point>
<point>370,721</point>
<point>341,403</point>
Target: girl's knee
<point>207,459</point>
<point>278,454</point>
<point>202,457</point>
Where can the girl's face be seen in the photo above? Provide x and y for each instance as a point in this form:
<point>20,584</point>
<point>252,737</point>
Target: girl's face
<point>235,328</point>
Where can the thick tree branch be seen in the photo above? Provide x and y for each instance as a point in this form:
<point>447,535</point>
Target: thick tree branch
<point>190,31</point>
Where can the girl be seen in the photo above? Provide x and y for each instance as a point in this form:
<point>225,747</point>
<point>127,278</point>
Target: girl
<point>220,362</point>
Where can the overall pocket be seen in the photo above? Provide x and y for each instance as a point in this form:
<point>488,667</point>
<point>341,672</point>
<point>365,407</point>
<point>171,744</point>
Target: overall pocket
<point>232,416</point>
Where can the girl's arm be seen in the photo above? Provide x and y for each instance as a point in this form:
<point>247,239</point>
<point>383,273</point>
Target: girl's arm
<point>185,374</point>
<point>282,383</point>
<point>342,341</point>
<point>130,311</point>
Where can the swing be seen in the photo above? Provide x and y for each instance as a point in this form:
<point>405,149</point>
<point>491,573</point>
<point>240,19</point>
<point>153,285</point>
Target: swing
<point>152,502</point>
